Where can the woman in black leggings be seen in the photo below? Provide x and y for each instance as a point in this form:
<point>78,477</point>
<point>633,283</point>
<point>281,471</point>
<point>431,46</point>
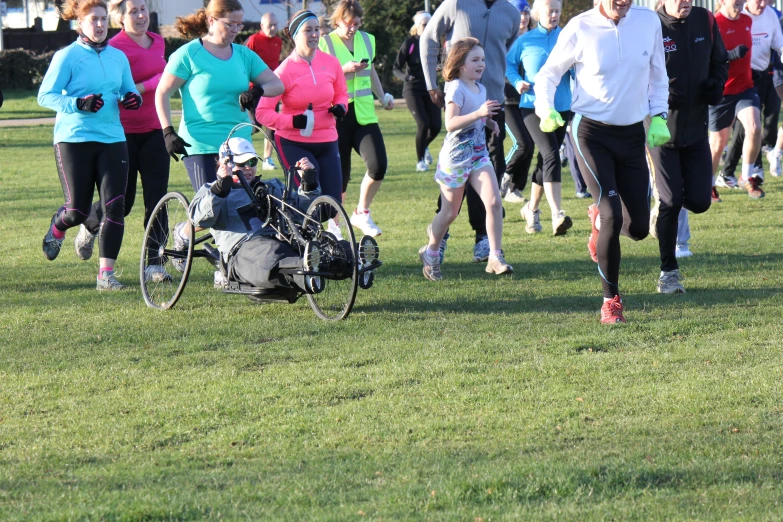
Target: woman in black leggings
<point>407,68</point>
<point>89,142</point>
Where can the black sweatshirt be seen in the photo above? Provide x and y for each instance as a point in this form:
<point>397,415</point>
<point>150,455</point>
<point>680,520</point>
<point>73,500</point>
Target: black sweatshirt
<point>407,67</point>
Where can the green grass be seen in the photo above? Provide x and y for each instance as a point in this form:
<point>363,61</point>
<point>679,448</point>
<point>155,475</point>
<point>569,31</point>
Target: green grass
<point>23,105</point>
<point>492,398</point>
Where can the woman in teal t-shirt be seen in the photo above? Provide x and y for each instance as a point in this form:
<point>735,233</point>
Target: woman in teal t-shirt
<point>212,74</point>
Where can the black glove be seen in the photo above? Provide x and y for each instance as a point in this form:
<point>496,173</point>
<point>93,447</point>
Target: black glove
<point>738,52</point>
<point>222,186</point>
<point>174,144</point>
<point>300,121</point>
<point>712,91</point>
<point>91,103</point>
<point>309,180</point>
<point>249,99</point>
<point>131,101</point>
<point>338,111</point>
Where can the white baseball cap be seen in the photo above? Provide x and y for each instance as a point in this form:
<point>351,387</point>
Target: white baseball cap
<point>241,149</point>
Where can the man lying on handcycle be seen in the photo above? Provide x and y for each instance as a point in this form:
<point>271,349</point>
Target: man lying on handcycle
<point>250,251</point>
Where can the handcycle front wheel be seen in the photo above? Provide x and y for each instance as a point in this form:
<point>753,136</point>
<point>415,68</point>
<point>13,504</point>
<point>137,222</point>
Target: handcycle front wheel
<point>165,258</point>
<point>337,243</point>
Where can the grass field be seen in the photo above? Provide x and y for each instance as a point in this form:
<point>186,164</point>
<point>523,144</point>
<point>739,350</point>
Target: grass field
<point>480,398</point>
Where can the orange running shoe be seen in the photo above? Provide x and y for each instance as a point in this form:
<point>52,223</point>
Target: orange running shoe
<point>592,213</point>
<point>612,311</point>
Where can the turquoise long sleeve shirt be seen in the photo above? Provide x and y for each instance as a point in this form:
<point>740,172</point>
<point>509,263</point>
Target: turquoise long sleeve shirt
<point>531,51</point>
<point>78,71</point>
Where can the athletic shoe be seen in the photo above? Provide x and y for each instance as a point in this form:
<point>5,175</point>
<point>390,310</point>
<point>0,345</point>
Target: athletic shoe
<point>51,245</point>
<point>431,268</point>
<point>180,243</point>
<point>654,218</point>
<point>84,243</point>
<point>715,196</point>
<point>108,282</point>
<point>497,265</point>
<point>442,248</point>
<point>333,229</point>
<point>427,156</point>
<point>156,274</point>
<point>682,251</point>
<point>729,182</point>
<point>592,213</point>
<point>422,166</point>
<point>753,186</point>
<point>363,221</point>
<point>268,164</point>
<point>513,196</point>
<point>669,283</point>
<point>220,281</point>
<point>757,172</point>
<point>561,224</point>
<point>533,219</point>
<point>506,184</point>
<point>612,311</point>
<point>583,195</point>
<point>774,159</point>
<point>481,250</point>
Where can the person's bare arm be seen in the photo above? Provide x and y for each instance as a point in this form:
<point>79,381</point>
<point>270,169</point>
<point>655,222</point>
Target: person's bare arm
<point>168,84</point>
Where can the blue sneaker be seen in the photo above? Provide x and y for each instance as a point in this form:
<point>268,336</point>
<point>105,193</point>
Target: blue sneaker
<point>481,250</point>
<point>51,245</point>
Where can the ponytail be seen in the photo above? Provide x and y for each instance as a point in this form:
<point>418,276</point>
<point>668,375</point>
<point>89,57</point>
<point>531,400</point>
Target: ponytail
<point>76,9</point>
<point>197,24</point>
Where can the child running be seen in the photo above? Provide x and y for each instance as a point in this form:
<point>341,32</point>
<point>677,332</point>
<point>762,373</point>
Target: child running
<point>464,157</point>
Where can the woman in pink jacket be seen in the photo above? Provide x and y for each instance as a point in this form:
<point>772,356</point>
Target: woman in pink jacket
<point>315,97</point>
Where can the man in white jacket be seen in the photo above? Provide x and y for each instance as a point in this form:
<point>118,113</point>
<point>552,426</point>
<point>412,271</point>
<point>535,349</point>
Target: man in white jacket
<point>617,53</point>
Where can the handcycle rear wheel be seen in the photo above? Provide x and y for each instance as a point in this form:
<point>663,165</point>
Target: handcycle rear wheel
<point>162,282</point>
<point>338,260</point>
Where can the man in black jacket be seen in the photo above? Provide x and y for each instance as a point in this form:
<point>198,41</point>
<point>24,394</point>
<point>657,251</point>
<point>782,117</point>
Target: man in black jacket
<point>697,66</point>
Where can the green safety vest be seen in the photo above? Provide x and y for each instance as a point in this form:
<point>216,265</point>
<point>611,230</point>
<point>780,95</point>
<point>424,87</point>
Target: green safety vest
<point>359,84</point>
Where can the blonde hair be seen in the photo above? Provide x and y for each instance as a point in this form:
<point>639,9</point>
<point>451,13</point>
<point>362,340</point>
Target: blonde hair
<point>416,29</point>
<point>346,10</point>
<point>75,10</point>
<point>457,55</point>
<point>197,24</point>
<point>118,9</point>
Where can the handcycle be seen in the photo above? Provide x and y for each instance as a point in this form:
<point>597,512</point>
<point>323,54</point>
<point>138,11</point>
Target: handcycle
<point>334,265</point>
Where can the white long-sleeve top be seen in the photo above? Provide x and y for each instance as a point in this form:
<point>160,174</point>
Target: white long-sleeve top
<point>620,68</point>
<point>767,35</point>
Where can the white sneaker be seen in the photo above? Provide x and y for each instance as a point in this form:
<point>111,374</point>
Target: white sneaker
<point>365,223</point>
<point>532,219</point>
<point>221,281</point>
<point>333,229</point>
<point>682,251</point>
<point>514,196</point>
<point>268,164</point>
<point>506,185</point>
<point>427,156</point>
<point>773,157</point>
<point>84,243</point>
<point>156,274</point>
<point>729,182</point>
<point>422,166</point>
<point>108,282</point>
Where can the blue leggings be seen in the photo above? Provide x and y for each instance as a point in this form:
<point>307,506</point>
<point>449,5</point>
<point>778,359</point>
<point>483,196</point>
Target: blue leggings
<point>202,168</point>
<point>325,157</point>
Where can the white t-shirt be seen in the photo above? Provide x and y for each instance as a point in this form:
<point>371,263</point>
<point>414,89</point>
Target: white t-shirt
<point>767,35</point>
<point>464,146</point>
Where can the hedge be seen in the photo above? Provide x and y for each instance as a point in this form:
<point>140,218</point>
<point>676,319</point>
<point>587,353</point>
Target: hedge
<point>20,69</point>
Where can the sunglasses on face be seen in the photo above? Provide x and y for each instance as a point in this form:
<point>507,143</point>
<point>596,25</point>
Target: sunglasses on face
<point>252,162</point>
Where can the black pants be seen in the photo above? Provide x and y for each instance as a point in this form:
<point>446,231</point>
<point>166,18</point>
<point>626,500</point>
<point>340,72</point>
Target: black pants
<point>147,158</point>
<point>770,105</point>
<point>367,141</point>
<point>83,167</point>
<point>477,213</point>
<point>258,262</point>
<point>324,156</point>
<point>428,120</point>
<point>683,178</point>
<point>520,157</point>
<point>615,165</point>
<point>573,165</point>
<point>548,168</point>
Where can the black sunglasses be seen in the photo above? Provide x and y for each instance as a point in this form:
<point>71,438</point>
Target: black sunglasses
<point>252,162</point>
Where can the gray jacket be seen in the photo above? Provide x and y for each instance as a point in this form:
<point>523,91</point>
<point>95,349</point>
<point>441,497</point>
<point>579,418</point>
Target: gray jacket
<point>229,228</point>
<point>495,27</point>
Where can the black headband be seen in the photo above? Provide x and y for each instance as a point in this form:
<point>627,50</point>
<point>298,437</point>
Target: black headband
<point>298,20</point>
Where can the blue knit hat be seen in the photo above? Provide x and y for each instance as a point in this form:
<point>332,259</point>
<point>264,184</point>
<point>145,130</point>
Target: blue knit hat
<point>521,5</point>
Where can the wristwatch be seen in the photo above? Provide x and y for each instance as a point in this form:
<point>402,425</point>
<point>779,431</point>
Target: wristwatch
<point>664,116</point>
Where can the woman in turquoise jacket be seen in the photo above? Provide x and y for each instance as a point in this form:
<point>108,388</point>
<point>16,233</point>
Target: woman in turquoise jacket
<point>527,55</point>
<point>85,84</point>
